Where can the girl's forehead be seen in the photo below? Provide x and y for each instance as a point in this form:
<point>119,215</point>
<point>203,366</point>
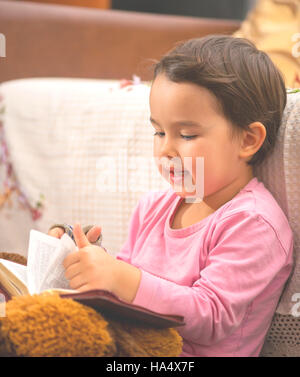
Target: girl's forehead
<point>182,97</point>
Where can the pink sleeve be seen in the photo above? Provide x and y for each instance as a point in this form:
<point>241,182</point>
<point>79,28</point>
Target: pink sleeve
<point>245,255</point>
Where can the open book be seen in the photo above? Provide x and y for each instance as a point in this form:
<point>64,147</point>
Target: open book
<point>44,268</point>
<point>45,271</point>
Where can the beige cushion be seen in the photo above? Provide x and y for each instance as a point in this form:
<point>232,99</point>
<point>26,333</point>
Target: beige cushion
<point>281,174</point>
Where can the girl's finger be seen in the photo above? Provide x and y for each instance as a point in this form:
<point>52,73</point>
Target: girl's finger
<point>80,238</point>
<point>94,233</point>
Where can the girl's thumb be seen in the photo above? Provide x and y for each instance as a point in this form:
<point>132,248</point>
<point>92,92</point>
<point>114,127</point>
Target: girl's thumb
<point>79,236</point>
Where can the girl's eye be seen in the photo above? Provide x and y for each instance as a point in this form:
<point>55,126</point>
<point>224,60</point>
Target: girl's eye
<point>161,134</point>
<point>158,134</point>
<point>188,137</point>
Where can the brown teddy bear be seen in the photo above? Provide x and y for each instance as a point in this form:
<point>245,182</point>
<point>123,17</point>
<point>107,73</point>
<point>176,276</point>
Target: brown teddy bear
<point>48,325</point>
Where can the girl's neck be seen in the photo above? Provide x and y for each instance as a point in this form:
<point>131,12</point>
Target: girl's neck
<point>191,213</point>
<point>228,192</point>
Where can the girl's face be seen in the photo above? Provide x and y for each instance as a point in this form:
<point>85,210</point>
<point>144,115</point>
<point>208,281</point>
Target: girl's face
<point>188,122</point>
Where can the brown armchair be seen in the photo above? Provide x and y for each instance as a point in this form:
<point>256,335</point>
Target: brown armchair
<point>46,40</point>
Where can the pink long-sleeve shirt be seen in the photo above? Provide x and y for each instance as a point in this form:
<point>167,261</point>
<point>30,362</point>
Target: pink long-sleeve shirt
<point>224,274</point>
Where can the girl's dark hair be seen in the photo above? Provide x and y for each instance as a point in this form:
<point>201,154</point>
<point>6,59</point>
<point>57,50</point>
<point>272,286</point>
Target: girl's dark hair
<point>244,80</point>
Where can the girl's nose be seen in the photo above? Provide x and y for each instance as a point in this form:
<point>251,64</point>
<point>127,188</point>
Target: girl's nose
<point>168,148</point>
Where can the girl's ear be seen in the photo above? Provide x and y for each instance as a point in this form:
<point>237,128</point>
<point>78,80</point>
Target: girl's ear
<point>252,140</point>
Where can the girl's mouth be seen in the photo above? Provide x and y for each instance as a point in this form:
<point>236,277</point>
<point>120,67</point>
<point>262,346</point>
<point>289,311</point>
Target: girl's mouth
<point>177,176</point>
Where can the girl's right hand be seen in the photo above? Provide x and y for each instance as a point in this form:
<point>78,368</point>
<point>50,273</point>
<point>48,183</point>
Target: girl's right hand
<point>92,235</point>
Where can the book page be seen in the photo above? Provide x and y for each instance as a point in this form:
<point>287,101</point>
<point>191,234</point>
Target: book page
<point>45,261</point>
<point>18,271</point>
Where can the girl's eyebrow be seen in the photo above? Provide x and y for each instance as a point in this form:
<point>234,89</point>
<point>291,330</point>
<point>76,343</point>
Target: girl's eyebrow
<point>181,123</point>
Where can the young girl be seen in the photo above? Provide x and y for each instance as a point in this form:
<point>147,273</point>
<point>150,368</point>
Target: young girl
<point>220,261</point>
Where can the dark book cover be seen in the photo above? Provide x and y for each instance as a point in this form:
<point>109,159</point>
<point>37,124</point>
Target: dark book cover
<point>108,304</point>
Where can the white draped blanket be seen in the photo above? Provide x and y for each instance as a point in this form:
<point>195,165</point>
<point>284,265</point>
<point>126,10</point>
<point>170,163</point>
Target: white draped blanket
<point>86,145</point>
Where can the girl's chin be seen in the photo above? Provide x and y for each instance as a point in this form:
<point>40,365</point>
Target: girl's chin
<point>184,187</point>
<point>190,197</point>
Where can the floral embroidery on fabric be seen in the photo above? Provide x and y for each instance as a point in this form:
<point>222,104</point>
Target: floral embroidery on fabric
<point>10,183</point>
<point>290,91</point>
<point>129,83</point>
<point>297,80</point>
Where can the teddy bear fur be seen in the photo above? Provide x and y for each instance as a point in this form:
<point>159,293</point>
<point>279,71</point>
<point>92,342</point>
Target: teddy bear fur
<point>48,325</point>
